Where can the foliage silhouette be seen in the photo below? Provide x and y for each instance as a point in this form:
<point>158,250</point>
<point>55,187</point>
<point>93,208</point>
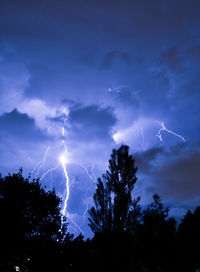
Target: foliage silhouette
<point>113,196</point>
<point>30,217</point>
<point>127,236</point>
<point>189,240</point>
<point>157,234</point>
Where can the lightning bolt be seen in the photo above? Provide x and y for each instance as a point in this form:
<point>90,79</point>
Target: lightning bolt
<point>93,178</point>
<point>142,135</point>
<point>93,175</point>
<point>49,170</point>
<point>117,90</point>
<point>84,214</point>
<point>163,128</point>
<point>40,164</point>
<point>63,161</point>
<point>90,175</point>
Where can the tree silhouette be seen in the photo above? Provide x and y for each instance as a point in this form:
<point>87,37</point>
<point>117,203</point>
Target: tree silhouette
<point>127,237</point>
<point>30,217</point>
<point>113,196</point>
<point>157,233</point>
<point>101,216</point>
<point>189,240</point>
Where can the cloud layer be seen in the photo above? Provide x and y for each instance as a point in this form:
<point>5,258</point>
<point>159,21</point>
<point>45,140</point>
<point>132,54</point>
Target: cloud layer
<point>107,72</point>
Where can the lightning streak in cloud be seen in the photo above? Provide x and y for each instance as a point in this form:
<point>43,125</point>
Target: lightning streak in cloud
<point>117,90</point>
<point>163,128</point>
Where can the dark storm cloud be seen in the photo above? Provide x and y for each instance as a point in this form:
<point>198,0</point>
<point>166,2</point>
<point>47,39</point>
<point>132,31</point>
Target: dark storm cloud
<point>41,81</point>
<point>194,52</point>
<point>58,119</point>
<point>179,180</point>
<point>91,123</point>
<point>171,59</point>
<point>144,159</point>
<point>125,96</point>
<point>71,53</point>
<point>20,126</point>
<point>173,173</point>
<point>115,58</point>
<point>87,123</point>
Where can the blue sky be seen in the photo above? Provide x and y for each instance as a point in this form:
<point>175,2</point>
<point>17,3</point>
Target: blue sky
<point>110,72</point>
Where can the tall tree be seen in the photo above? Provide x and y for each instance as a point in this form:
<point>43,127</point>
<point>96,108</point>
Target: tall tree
<point>113,196</point>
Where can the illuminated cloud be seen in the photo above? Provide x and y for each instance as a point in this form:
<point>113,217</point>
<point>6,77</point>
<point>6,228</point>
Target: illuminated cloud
<point>60,63</point>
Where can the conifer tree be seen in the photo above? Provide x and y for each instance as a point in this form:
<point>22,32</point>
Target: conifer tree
<point>113,196</point>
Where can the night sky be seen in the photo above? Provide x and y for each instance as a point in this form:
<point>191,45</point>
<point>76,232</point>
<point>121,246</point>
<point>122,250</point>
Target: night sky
<point>92,75</point>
